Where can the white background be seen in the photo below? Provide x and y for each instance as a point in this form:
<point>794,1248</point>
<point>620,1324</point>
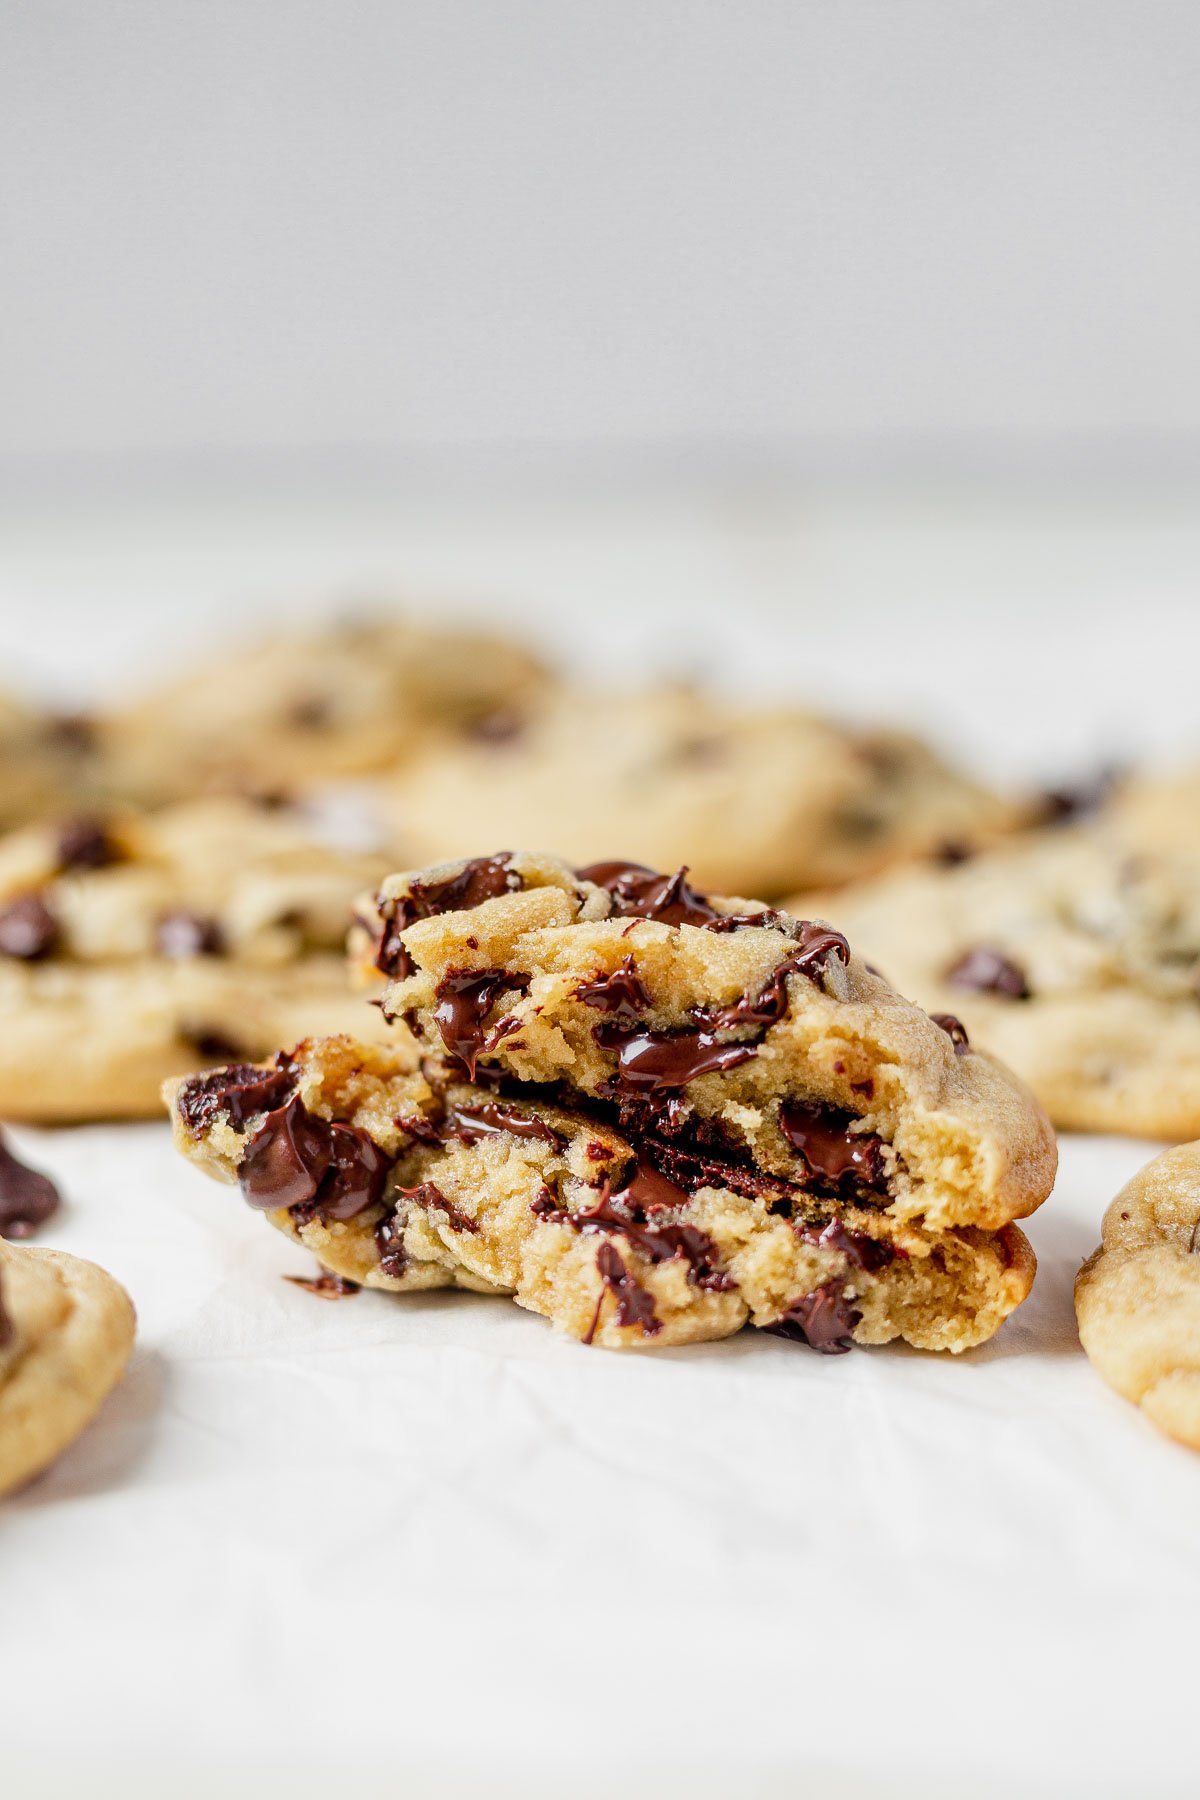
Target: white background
<point>849,350</point>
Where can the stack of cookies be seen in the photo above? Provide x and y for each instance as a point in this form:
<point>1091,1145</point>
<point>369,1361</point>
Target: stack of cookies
<point>585,1074</point>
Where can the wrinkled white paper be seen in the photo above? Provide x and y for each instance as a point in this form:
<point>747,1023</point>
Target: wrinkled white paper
<point>400,1546</point>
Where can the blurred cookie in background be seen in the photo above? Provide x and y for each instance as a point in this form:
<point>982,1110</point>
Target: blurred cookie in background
<point>290,710</point>
<point>49,762</point>
<point>754,800</point>
<point>134,947</point>
<point>1072,955</point>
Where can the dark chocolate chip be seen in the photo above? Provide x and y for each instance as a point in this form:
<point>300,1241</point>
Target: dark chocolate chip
<point>622,992</point>
<point>990,972</point>
<point>485,878</point>
<point>180,935</point>
<point>28,929</point>
<point>465,998</point>
<point>634,1305</point>
<point>85,844</point>
<point>1060,805</point>
<point>314,712</point>
<point>73,733</point>
<point>655,1060</point>
<point>829,1148</point>
<point>210,1045</point>
<point>951,852</point>
<point>287,1159</point>
<point>239,1092</point>
<point>825,1319</point>
<point>27,1197</point>
<point>500,727</point>
<point>7,1328</point>
<point>955,1030</point>
<point>326,1285</point>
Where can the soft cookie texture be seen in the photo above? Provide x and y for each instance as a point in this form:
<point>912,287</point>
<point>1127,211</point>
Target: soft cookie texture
<point>754,799</point>
<point>136,947</point>
<point>650,1115</point>
<point>407,1180</point>
<point>1074,955</point>
<point>66,1331</point>
<point>1137,1298</point>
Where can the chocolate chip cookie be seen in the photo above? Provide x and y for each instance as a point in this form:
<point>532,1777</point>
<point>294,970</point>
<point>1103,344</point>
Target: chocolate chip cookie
<point>405,1179</point>
<point>1137,1298</point>
<point>755,799</point>
<point>651,1115</point>
<point>66,1331</point>
<point>136,947</point>
<point>299,708</point>
<point>1071,956</point>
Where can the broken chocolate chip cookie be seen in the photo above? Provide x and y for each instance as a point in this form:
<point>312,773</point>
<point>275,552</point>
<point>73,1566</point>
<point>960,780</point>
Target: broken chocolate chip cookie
<point>651,1114</point>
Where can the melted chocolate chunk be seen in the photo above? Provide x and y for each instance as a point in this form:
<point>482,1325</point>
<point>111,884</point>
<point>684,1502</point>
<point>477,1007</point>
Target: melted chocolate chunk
<point>297,1160</point>
<point>824,1319</point>
<point>955,1030</point>
<point>641,893</point>
<point>389,1241</point>
<point>28,929</point>
<point>622,992</point>
<point>287,1159</point>
<point>483,879</point>
<point>866,1253</point>
<point>470,1123</point>
<point>180,935</point>
<point>655,1060</point>
<point>648,1190</point>
<point>822,1135</point>
<point>987,971</point>
<point>430,1196</point>
<point>7,1328</point>
<point>950,852</point>
<point>465,998</point>
<point>85,844</point>
<point>27,1198</point>
<point>239,1091</point>
<point>326,1285</point>
<point>634,1305</point>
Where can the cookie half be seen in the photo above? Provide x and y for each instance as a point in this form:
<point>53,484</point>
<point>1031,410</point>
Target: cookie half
<point>1137,1298</point>
<point>66,1332</point>
<point>706,1019</point>
<point>406,1180</point>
